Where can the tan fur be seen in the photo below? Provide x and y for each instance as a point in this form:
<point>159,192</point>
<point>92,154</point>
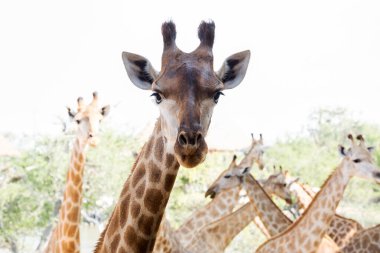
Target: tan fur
<point>341,229</point>
<point>365,241</point>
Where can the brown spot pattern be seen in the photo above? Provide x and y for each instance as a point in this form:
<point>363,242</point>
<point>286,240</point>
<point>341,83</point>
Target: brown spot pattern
<point>159,149</point>
<point>169,160</point>
<point>138,174</point>
<point>155,172</point>
<point>124,206</point>
<point>145,224</point>
<point>153,200</point>
<point>135,209</point>
<point>169,182</point>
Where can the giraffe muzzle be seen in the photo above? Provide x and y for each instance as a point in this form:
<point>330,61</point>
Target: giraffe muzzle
<point>190,148</point>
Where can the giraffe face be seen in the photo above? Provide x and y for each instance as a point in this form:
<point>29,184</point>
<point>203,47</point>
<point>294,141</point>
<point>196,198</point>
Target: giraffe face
<point>258,148</point>
<point>186,90</point>
<point>360,161</point>
<point>232,177</point>
<point>276,184</point>
<point>88,119</point>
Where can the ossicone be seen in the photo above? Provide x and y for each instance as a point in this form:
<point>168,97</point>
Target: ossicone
<point>169,34</point>
<point>206,33</point>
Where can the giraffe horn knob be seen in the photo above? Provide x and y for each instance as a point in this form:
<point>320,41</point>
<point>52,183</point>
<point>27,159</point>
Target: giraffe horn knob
<point>169,34</point>
<point>206,33</point>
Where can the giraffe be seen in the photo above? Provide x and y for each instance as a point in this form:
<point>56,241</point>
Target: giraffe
<point>185,90</point>
<point>271,219</point>
<point>306,233</point>
<point>223,202</point>
<point>341,229</point>
<point>65,236</point>
<point>365,241</point>
<point>216,236</point>
<point>167,241</point>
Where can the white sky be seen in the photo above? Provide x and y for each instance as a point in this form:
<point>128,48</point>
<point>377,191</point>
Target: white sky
<point>305,54</point>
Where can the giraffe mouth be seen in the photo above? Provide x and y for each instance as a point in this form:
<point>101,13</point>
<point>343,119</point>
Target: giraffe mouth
<point>190,161</point>
<point>93,141</point>
<point>189,158</point>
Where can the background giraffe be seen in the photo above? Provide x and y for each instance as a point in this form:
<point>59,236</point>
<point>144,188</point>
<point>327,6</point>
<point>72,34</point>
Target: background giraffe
<point>341,229</point>
<point>66,235</point>
<point>216,236</point>
<point>185,91</point>
<point>307,232</point>
<point>223,201</point>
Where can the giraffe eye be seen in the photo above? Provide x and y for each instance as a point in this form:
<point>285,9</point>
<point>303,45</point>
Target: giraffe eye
<point>227,176</point>
<point>217,95</point>
<point>157,97</point>
<point>357,160</point>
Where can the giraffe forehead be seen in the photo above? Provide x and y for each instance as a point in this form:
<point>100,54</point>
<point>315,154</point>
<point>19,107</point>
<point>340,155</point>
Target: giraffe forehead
<point>187,78</point>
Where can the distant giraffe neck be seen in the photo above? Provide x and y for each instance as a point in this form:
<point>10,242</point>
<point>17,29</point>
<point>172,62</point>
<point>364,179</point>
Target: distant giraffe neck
<point>218,235</point>
<point>341,229</point>
<point>313,224</point>
<point>221,205</point>
<point>66,235</point>
<point>136,218</point>
<point>166,241</point>
<point>271,216</point>
<point>249,158</point>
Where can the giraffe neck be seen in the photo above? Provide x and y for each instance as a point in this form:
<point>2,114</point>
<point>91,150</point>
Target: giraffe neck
<point>365,241</point>
<point>249,158</point>
<point>65,236</point>
<point>313,224</point>
<point>221,205</point>
<point>271,216</point>
<point>220,233</point>
<point>167,241</point>
<point>341,229</point>
<point>137,215</point>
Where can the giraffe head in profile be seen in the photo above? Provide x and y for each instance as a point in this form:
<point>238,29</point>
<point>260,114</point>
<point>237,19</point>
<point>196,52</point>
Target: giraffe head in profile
<point>359,160</point>
<point>88,118</point>
<point>229,178</point>
<point>279,185</point>
<point>186,89</point>
<point>258,151</point>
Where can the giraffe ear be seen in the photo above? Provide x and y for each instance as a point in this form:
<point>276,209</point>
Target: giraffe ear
<point>233,69</point>
<point>71,113</point>
<point>139,70</point>
<point>105,110</point>
<point>342,150</point>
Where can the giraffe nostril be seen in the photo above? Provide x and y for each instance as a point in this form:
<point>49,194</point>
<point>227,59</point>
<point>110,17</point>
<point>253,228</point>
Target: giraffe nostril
<point>182,139</point>
<point>199,138</point>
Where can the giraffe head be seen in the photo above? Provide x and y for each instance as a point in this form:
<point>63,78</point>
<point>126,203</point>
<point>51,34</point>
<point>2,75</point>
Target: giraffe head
<point>88,117</point>
<point>258,150</point>
<point>186,89</point>
<point>229,178</point>
<point>277,184</point>
<point>359,159</point>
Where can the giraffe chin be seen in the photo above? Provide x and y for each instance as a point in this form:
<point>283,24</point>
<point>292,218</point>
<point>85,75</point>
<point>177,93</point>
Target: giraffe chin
<point>93,141</point>
<point>190,161</point>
